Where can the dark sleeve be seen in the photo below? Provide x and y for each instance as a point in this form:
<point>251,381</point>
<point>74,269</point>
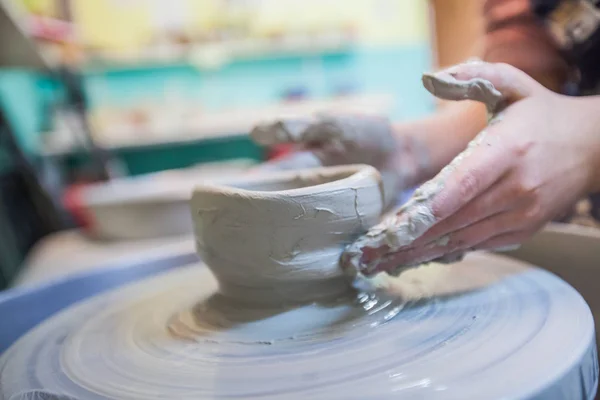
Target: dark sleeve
<point>513,35</point>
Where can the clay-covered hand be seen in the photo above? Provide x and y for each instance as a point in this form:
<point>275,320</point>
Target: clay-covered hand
<point>537,157</point>
<point>346,139</point>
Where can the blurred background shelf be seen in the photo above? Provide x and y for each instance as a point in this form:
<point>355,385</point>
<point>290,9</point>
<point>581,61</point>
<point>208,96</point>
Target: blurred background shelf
<point>167,155</point>
<point>216,136</point>
<point>218,55</point>
<point>97,91</point>
<point>188,124</point>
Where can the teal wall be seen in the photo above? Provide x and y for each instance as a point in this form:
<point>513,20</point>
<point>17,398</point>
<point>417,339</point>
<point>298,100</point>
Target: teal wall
<point>259,82</point>
<point>26,97</point>
<point>398,72</point>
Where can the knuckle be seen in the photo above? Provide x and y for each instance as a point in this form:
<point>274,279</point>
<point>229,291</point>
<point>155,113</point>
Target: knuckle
<point>522,147</point>
<point>533,213</point>
<point>520,189</point>
<point>526,189</point>
<point>469,185</point>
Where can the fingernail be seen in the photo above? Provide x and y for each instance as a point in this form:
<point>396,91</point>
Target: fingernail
<point>428,83</point>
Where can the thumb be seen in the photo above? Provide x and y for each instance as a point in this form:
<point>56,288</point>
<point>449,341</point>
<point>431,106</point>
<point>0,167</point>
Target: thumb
<point>495,85</point>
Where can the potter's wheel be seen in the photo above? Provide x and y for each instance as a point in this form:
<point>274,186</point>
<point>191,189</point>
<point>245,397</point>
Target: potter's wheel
<point>518,332</point>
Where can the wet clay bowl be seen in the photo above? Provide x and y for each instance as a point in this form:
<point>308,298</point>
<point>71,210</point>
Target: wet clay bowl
<point>277,237</point>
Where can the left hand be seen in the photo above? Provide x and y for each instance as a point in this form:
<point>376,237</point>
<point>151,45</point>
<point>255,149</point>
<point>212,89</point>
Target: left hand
<point>537,157</point>
<point>327,140</point>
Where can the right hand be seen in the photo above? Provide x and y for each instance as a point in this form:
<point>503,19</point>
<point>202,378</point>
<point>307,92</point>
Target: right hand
<point>344,139</point>
<point>537,157</point>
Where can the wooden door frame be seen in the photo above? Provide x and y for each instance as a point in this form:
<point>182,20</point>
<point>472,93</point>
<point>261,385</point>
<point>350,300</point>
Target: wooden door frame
<point>457,26</point>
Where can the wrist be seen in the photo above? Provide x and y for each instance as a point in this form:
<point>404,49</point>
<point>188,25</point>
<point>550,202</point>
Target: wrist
<point>589,126</point>
<point>576,125</point>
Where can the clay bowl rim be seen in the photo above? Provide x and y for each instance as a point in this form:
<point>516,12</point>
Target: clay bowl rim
<point>140,191</point>
<point>343,175</point>
<point>171,186</point>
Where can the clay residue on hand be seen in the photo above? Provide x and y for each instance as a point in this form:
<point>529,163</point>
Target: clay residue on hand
<point>283,131</point>
<point>444,85</point>
<point>329,140</point>
<point>399,230</point>
<point>416,217</point>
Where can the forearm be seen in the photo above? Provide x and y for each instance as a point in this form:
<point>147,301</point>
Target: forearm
<point>440,137</point>
<point>581,123</point>
<point>512,36</point>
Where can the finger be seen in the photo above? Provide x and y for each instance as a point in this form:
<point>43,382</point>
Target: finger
<point>317,137</point>
<point>367,131</point>
<point>492,84</point>
<point>358,131</point>
<point>505,242</point>
<point>463,240</point>
<point>451,258</point>
<point>473,171</point>
<point>325,130</point>
<point>345,139</point>
<point>485,162</point>
<point>501,197</point>
<point>280,132</point>
<point>331,153</point>
<point>510,81</point>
